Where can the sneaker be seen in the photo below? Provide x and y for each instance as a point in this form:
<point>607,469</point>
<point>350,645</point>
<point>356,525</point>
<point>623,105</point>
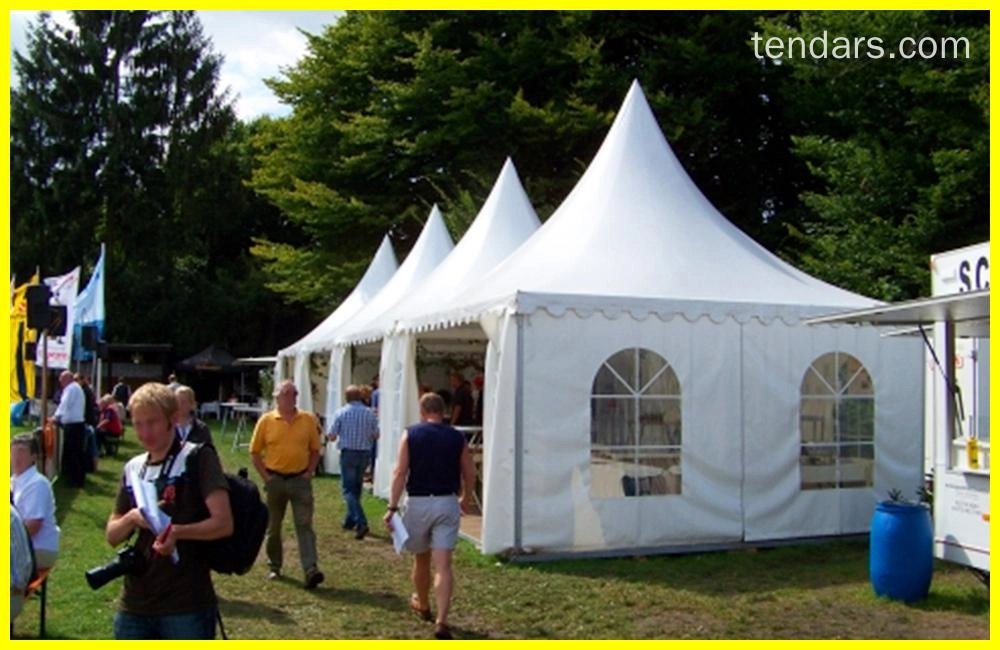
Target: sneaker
<point>314,578</point>
<point>362,531</point>
<point>273,574</point>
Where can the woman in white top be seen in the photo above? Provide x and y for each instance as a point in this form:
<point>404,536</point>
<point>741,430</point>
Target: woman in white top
<point>31,493</point>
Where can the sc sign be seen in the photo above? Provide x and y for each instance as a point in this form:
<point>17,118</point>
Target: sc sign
<point>973,276</point>
<point>962,270</point>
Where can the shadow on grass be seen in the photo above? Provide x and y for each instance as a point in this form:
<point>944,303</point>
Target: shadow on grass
<point>247,609</point>
<point>974,602</point>
<point>730,572</point>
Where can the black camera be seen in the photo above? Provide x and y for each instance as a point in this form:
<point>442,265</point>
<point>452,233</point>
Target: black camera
<point>128,561</point>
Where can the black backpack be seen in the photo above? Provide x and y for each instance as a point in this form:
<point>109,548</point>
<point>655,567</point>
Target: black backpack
<point>238,552</point>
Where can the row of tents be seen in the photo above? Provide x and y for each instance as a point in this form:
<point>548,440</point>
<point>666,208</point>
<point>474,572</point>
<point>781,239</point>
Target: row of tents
<point>649,382</point>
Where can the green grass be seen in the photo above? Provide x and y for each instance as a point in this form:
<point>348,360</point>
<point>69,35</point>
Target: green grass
<point>808,591</point>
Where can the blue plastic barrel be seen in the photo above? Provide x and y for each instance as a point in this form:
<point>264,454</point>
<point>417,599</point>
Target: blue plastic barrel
<point>901,551</point>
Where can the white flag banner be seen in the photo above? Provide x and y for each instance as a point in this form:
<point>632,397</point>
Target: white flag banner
<point>64,289</point>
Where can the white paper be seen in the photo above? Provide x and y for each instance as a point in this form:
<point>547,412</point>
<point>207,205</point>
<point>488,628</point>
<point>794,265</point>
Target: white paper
<point>399,534</point>
<point>146,501</point>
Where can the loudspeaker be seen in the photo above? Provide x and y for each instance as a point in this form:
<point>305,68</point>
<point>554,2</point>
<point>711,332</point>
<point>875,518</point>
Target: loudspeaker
<point>38,306</point>
<point>88,337</point>
<point>57,320</point>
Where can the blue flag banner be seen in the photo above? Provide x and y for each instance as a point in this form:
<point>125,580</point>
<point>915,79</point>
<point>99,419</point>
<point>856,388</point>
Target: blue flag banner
<point>90,311</point>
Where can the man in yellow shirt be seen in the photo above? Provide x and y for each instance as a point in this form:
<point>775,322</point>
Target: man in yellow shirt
<point>285,451</point>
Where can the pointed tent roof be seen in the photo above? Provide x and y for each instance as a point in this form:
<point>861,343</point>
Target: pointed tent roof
<point>504,222</point>
<point>636,231</point>
<point>431,247</point>
<point>213,358</point>
<point>379,272</point>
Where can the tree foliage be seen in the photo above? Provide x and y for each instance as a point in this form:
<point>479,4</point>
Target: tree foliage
<point>899,148</point>
<point>120,134</point>
<point>394,111</point>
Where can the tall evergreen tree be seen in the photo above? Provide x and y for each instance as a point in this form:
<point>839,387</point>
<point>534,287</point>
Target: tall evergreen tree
<point>120,134</point>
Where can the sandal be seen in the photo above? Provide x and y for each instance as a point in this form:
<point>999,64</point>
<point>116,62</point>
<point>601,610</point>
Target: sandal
<point>424,614</point>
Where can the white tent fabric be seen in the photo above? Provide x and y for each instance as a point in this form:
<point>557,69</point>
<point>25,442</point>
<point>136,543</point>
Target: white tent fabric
<point>378,273</point>
<point>431,247</point>
<point>504,222</point>
<point>636,226</point>
<point>636,257</point>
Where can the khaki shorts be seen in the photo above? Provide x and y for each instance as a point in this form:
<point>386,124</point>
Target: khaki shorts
<point>432,523</point>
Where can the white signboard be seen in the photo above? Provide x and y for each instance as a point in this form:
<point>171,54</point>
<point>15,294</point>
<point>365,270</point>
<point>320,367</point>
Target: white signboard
<point>958,271</point>
<point>64,289</point>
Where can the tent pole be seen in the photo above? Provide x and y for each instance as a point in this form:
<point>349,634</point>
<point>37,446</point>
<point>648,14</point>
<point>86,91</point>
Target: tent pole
<point>518,432</point>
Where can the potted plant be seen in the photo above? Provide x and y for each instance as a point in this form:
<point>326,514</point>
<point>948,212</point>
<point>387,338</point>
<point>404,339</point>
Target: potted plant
<point>901,548</point>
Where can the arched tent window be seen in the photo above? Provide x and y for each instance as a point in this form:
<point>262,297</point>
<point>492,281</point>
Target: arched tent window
<point>635,426</point>
<point>837,423</point>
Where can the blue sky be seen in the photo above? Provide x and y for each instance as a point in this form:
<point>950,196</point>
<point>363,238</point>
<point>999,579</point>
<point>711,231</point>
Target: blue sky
<point>255,44</point>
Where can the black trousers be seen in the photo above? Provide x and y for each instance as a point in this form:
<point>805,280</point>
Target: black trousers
<point>74,456</point>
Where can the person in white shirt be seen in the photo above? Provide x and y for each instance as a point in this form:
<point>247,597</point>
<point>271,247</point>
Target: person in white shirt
<point>70,416</point>
<point>31,493</point>
<point>21,564</point>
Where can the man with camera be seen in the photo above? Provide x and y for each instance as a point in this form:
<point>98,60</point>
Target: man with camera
<point>168,592</point>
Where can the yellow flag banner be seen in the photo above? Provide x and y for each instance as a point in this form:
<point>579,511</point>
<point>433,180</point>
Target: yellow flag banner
<point>22,365</point>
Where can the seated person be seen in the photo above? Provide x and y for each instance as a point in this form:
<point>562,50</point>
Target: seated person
<point>22,566</point>
<point>31,493</point>
<point>109,424</point>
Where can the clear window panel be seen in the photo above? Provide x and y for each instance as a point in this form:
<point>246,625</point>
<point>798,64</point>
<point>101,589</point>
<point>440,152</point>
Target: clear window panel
<point>821,378</point>
<point>860,383</point>
<point>818,467</point>
<point>656,472</point>
<point>653,427</point>
<point>606,383</point>
<point>623,363</point>
<point>652,374</point>
<point>856,419</point>
<point>817,418</point>
<point>857,465</point>
<point>612,421</point>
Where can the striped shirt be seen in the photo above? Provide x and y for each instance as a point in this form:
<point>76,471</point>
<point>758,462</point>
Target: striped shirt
<point>355,426</point>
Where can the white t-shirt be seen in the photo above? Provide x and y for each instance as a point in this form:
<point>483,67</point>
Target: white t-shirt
<point>32,495</point>
<point>71,407</point>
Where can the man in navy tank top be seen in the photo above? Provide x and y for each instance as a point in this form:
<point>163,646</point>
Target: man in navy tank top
<point>435,467</point>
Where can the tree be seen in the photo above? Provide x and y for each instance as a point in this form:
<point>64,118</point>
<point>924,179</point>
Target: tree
<point>120,134</point>
<point>899,149</point>
<point>393,111</point>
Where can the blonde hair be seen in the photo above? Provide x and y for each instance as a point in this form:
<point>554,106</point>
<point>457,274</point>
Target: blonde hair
<point>156,395</point>
<point>186,391</point>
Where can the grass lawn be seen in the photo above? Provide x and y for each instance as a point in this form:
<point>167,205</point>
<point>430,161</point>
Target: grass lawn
<point>811,591</point>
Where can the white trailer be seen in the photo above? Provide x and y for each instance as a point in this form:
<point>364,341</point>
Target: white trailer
<point>955,323</point>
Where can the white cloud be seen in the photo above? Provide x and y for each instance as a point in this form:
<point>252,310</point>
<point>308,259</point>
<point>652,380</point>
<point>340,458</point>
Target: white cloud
<point>255,44</point>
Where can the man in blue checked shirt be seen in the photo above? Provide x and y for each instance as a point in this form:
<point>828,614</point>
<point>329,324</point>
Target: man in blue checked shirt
<point>355,428</point>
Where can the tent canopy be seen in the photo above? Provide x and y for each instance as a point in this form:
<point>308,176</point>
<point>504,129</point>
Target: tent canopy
<point>433,245</point>
<point>212,359</point>
<point>637,228</point>
<point>504,222</point>
<point>379,272</point>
